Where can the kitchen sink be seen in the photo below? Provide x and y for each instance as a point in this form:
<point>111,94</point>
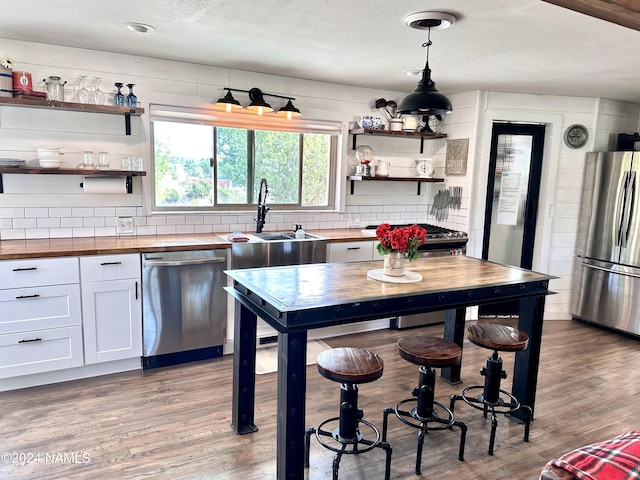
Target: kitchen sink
<point>272,249</point>
<point>283,236</point>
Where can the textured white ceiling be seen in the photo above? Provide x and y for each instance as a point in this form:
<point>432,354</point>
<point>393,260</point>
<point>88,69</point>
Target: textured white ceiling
<point>499,45</point>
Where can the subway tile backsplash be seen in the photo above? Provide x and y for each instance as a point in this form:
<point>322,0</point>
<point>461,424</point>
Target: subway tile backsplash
<point>64,222</point>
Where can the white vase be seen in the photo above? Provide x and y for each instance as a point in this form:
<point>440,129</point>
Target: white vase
<point>394,264</point>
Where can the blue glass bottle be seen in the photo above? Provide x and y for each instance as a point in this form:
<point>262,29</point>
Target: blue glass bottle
<point>132,100</point>
<point>118,98</point>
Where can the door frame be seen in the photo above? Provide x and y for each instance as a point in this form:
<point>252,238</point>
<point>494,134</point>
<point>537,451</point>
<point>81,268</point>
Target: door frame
<point>546,205</point>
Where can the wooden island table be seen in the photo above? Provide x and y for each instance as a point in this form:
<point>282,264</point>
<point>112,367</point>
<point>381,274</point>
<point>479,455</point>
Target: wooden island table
<point>295,299</point>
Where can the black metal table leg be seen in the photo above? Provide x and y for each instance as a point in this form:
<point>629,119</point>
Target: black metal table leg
<point>292,380</point>
<point>454,326</point>
<point>525,370</point>
<point>244,371</point>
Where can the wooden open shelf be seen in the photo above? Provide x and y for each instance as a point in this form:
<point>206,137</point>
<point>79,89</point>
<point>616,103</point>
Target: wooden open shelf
<point>129,174</point>
<point>127,112</point>
<point>418,180</point>
<point>422,136</point>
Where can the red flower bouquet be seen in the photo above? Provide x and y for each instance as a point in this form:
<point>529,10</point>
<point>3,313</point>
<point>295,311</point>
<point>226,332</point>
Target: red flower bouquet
<point>402,240</point>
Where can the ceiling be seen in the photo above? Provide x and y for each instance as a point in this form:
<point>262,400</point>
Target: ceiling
<point>527,46</point>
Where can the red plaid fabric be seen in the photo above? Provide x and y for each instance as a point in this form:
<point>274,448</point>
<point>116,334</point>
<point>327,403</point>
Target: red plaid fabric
<point>614,459</point>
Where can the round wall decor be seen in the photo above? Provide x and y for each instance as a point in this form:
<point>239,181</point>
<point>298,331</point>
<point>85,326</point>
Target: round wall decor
<point>576,136</point>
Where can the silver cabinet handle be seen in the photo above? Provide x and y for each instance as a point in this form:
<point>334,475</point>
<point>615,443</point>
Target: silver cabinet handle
<point>179,263</point>
<point>604,269</point>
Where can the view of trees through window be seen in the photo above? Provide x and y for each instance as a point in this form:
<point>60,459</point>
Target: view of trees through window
<point>191,173</point>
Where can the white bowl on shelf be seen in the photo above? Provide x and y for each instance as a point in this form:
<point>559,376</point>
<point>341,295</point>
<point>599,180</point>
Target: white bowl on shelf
<point>53,162</point>
<point>48,152</point>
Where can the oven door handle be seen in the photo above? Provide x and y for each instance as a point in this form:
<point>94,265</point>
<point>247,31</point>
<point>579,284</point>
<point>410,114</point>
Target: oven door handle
<point>180,263</point>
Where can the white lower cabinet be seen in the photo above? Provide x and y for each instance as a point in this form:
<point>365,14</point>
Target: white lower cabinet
<point>351,251</point>
<point>111,307</point>
<point>40,316</point>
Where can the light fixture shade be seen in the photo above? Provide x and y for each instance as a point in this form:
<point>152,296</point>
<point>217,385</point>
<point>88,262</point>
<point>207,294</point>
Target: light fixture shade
<point>289,111</point>
<point>228,102</point>
<point>257,102</point>
<point>425,99</point>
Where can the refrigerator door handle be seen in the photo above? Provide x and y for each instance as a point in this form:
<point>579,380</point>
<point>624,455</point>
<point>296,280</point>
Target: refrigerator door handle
<point>620,209</point>
<point>609,270</point>
<point>629,203</point>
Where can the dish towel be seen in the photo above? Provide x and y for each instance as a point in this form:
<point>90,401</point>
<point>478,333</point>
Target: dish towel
<point>237,237</point>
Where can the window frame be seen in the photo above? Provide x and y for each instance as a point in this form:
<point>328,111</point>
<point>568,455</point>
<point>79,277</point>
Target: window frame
<point>250,122</point>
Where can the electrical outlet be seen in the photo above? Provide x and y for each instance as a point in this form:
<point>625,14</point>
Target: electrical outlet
<point>124,226</point>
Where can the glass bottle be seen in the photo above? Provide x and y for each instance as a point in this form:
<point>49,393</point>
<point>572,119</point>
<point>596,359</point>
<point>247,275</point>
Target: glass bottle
<point>83,94</point>
<point>132,100</point>
<point>98,95</point>
<point>118,98</point>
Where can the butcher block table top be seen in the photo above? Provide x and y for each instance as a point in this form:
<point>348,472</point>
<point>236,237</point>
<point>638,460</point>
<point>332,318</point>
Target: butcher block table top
<point>295,295</point>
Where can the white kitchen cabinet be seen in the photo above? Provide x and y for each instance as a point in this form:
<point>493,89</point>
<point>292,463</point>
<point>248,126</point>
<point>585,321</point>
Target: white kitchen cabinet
<point>363,251</point>
<point>111,307</point>
<point>40,320</point>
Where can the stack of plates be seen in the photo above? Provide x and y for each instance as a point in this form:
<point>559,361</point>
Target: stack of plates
<point>11,162</point>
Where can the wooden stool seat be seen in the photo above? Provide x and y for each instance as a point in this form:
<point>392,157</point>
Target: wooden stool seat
<point>350,365</point>
<point>497,337</point>
<point>429,351</point>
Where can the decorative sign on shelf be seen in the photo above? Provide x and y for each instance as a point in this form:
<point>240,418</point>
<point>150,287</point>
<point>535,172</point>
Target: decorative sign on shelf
<point>457,152</point>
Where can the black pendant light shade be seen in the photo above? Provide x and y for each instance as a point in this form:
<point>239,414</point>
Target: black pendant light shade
<point>228,102</point>
<point>289,111</point>
<point>425,99</point>
<point>258,103</point>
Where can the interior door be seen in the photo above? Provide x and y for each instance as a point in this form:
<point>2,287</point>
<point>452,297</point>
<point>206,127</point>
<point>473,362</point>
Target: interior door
<point>511,206</point>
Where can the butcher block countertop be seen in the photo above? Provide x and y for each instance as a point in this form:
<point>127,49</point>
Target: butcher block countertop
<point>67,247</point>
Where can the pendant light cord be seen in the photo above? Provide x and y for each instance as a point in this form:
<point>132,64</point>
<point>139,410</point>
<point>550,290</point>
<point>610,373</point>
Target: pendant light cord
<point>428,43</point>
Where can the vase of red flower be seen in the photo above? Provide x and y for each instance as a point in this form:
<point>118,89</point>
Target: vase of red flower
<point>397,245</point>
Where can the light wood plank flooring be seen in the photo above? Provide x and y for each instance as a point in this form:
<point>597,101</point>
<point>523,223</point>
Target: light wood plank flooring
<point>173,423</point>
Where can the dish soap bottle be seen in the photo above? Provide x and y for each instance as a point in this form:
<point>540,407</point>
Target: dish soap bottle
<point>299,232</point>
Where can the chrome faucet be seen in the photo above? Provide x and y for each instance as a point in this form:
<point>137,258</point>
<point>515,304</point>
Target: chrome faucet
<point>262,205</point>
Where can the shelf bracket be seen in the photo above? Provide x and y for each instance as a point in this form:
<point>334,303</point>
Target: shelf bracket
<point>127,125</point>
<point>2,186</point>
<point>129,184</point>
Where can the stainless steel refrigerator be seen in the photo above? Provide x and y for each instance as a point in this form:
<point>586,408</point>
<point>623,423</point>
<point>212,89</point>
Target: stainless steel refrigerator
<point>606,271</point>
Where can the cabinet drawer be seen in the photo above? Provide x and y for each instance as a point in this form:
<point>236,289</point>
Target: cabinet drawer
<point>35,308</point>
<point>351,251</point>
<point>109,267</point>
<point>38,271</point>
<point>40,351</point>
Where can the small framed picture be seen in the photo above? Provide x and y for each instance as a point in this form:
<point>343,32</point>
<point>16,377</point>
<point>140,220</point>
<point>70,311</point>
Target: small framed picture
<point>456,160</point>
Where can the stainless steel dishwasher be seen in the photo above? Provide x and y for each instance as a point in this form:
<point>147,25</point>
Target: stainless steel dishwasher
<point>184,306</point>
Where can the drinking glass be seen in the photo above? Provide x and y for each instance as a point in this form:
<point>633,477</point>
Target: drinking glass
<point>98,95</point>
<point>118,98</point>
<point>83,94</point>
<point>103,160</point>
<point>132,99</point>
<point>136,163</point>
<point>87,159</point>
<point>126,162</point>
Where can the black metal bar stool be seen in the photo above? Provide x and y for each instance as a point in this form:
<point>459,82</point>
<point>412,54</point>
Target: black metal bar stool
<point>350,367</point>
<point>499,338</point>
<point>429,353</point>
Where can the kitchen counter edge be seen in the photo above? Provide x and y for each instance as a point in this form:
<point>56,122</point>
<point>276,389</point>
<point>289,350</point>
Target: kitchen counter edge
<point>80,246</point>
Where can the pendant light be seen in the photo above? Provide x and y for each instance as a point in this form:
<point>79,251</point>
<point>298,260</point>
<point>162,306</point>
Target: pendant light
<point>289,110</point>
<point>425,99</point>
<point>258,104</point>
<point>228,102</point>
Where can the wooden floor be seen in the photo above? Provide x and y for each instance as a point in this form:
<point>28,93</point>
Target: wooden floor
<point>173,423</point>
